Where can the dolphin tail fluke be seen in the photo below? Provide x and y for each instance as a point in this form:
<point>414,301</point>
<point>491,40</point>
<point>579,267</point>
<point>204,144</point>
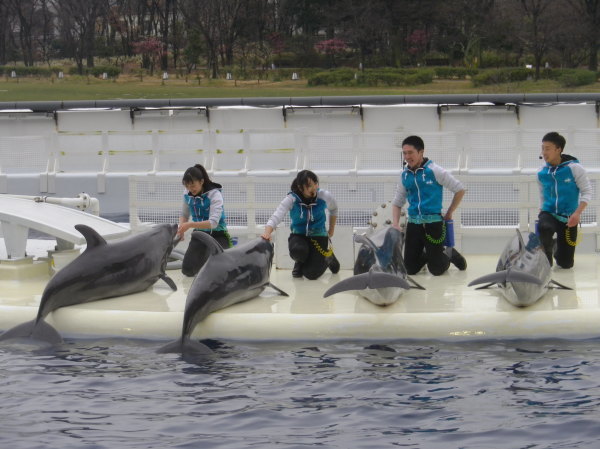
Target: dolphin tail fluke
<point>358,282</point>
<point>169,282</point>
<point>277,289</point>
<point>172,347</point>
<point>503,276</point>
<point>368,280</point>
<point>519,276</point>
<point>41,331</point>
<point>499,277</point>
<point>186,347</point>
<point>558,285</point>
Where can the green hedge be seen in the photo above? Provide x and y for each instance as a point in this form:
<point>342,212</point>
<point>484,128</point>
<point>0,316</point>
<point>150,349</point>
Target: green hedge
<point>346,77</point>
<point>111,71</point>
<point>574,77</point>
<point>454,72</point>
<point>565,77</point>
<point>498,76</point>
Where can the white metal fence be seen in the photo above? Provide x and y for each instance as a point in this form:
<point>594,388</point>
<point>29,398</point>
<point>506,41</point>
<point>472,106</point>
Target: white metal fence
<point>276,151</point>
<point>493,206</point>
<point>256,167</point>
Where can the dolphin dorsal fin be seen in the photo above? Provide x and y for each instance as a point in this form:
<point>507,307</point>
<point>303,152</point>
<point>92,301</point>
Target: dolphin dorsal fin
<point>92,238</point>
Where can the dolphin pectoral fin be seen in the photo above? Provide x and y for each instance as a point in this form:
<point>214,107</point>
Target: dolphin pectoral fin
<point>415,284</point>
<point>277,289</point>
<point>483,287</point>
<point>41,331</point>
<point>92,238</point>
<point>558,285</point>
<point>519,276</point>
<point>499,277</point>
<point>169,282</point>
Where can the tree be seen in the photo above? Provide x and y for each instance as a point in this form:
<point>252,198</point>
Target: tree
<point>538,28</point>
<point>588,12</point>
<point>218,21</point>
<point>151,50</point>
<point>25,11</point>
<point>45,34</point>
<point>6,30</point>
<point>465,24</point>
<point>78,19</point>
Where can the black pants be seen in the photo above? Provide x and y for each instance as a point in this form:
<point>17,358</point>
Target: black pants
<point>196,255</point>
<point>419,250</point>
<point>303,251</point>
<point>565,252</point>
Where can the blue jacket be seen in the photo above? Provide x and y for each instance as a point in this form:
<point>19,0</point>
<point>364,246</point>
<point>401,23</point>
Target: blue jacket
<point>563,186</point>
<point>307,217</point>
<point>423,188</point>
<point>206,206</point>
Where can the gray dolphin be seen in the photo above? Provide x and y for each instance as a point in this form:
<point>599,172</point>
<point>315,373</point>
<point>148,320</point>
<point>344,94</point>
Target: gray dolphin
<point>523,272</point>
<point>103,270</point>
<point>379,272</point>
<point>228,277</point>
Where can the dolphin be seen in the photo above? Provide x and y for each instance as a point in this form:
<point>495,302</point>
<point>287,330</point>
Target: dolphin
<point>228,277</point>
<point>103,270</point>
<point>523,272</point>
<point>379,272</point>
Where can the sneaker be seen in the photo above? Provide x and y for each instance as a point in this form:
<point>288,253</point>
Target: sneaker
<point>334,264</point>
<point>457,259</point>
<point>297,271</point>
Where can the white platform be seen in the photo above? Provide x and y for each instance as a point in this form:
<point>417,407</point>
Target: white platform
<point>448,309</point>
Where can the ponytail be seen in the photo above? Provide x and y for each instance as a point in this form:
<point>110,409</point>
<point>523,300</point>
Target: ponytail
<point>196,173</point>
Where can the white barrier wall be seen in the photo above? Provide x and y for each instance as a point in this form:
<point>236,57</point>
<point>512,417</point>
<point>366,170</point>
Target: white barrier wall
<point>132,160</point>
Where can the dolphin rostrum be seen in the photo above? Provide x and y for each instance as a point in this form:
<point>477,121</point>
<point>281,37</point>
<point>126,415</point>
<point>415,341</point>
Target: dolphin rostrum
<point>103,270</point>
<point>379,272</point>
<point>523,272</point>
<point>228,277</point>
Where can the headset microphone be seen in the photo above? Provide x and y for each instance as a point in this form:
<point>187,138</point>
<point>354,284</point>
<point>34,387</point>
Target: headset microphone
<point>540,157</point>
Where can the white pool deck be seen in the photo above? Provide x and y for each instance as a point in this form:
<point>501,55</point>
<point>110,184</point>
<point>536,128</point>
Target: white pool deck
<point>446,310</point>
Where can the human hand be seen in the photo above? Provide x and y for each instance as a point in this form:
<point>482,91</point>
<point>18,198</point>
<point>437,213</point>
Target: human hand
<point>181,230</point>
<point>573,220</point>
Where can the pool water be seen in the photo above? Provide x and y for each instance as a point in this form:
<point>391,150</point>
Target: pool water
<point>118,393</point>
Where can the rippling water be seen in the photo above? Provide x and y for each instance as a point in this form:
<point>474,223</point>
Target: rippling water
<point>121,394</point>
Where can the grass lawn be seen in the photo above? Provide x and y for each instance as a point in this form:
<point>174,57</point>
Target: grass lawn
<point>130,87</point>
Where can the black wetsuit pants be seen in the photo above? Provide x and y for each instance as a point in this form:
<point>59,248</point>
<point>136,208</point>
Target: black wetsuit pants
<point>304,251</point>
<point>420,250</point>
<point>565,249</point>
<point>196,255</point>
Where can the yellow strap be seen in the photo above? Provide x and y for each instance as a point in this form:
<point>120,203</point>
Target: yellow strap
<point>324,253</point>
<point>568,237</point>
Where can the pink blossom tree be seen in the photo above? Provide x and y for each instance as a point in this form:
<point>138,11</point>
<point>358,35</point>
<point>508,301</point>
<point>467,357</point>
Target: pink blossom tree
<point>417,43</point>
<point>151,50</point>
<point>331,48</point>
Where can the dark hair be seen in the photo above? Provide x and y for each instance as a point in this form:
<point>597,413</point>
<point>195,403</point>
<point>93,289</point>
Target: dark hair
<point>556,139</point>
<point>196,173</point>
<point>302,179</point>
<point>414,141</point>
